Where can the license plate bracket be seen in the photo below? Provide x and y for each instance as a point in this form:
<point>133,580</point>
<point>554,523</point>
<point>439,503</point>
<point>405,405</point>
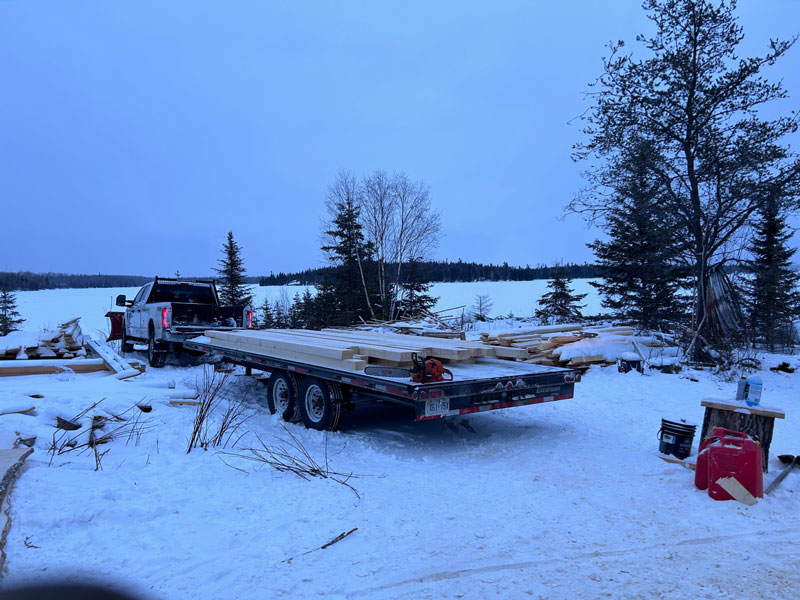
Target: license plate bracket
<point>437,407</point>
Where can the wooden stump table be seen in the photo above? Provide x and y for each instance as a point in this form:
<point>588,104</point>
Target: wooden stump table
<point>756,421</point>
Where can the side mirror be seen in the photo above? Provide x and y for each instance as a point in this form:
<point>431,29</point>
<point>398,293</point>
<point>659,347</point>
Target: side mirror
<point>121,300</point>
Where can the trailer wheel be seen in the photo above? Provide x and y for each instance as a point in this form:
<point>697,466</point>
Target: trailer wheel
<point>154,357</point>
<point>125,345</point>
<point>320,404</point>
<point>282,395</point>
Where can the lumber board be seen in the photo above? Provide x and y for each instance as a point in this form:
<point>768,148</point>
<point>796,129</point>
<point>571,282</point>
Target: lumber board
<point>739,407</point>
<point>108,356</point>
<point>49,367</point>
<point>349,364</point>
<point>736,490</point>
<point>278,344</point>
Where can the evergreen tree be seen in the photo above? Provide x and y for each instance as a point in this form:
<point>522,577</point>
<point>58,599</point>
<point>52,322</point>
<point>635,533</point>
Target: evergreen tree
<point>706,109</point>
<point>414,297</point>
<point>561,303</point>
<point>232,289</point>
<point>10,319</point>
<point>267,316</point>
<point>346,289</point>
<point>638,263</point>
<point>772,299</point>
<point>280,315</point>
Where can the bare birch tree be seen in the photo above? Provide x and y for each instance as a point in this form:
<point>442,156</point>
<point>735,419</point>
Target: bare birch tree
<point>401,225</point>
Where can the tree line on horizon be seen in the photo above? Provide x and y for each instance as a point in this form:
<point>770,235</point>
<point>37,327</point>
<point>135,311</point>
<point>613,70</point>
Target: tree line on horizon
<point>432,271</point>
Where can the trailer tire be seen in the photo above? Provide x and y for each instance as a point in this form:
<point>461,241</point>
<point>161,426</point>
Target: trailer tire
<point>321,405</point>
<point>155,357</point>
<point>282,395</point>
<point>125,345</point>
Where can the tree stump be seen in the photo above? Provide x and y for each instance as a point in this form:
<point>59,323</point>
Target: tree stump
<point>756,422</point>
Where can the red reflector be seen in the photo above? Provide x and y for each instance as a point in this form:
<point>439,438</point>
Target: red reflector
<point>569,378</point>
<point>164,315</point>
<point>414,396</point>
<point>436,394</point>
<point>422,395</point>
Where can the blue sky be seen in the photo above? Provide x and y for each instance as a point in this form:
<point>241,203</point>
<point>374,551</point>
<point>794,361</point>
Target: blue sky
<point>136,134</point>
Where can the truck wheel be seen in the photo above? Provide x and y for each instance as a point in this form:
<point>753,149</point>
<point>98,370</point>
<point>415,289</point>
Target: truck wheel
<point>125,345</point>
<point>154,357</point>
<point>282,395</point>
<point>320,405</point>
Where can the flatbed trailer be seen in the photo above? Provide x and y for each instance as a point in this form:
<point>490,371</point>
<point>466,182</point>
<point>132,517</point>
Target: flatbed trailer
<point>319,395</point>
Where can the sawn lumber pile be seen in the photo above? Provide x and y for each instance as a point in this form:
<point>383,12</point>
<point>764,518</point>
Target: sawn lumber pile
<point>353,350</point>
<point>65,342</point>
<point>571,345</point>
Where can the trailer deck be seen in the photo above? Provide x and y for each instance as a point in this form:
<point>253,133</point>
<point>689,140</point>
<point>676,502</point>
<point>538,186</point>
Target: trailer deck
<point>487,383</point>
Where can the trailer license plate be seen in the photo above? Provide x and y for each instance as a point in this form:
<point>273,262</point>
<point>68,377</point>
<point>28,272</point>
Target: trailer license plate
<point>437,406</point>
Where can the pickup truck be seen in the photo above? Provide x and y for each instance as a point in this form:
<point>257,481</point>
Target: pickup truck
<point>167,312</point>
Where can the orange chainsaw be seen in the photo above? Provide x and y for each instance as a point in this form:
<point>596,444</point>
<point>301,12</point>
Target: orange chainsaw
<point>423,371</point>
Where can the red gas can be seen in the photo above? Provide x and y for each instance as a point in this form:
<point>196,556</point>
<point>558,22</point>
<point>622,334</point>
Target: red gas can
<point>735,457</point>
<point>701,471</point>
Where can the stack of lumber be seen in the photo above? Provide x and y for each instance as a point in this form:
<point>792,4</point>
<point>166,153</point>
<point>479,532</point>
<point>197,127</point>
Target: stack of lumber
<point>573,345</point>
<point>65,342</point>
<point>353,350</point>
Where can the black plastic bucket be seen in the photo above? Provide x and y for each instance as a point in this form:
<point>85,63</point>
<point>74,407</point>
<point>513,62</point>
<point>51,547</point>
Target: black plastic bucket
<point>676,437</point>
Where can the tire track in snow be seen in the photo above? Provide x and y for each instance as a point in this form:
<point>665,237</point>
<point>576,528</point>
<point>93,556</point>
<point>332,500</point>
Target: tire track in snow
<point>775,536</point>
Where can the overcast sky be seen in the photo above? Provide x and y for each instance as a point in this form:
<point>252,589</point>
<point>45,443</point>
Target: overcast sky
<point>134,135</point>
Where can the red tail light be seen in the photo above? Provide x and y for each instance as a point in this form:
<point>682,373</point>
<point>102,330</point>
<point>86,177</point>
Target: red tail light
<point>165,317</point>
<point>249,319</point>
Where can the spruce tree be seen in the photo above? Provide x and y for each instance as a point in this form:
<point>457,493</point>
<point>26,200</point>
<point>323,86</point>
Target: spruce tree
<point>10,319</point>
<point>707,109</point>
<point>639,262</point>
<point>267,316</point>
<point>772,298</point>
<point>561,303</point>
<point>347,289</point>
<point>414,297</point>
<point>233,291</point>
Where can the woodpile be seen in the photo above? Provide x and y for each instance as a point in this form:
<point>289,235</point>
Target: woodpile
<point>353,349</point>
<point>573,346</point>
<point>59,350</point>
<point>66,342</point>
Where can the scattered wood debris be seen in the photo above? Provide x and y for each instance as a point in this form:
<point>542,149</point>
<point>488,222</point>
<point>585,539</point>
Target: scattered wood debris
<point>578,346</point>
<point>65,342</point>
<point>65,349</point>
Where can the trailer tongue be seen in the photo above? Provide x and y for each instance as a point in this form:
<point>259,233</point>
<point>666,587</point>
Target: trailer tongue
<point>317,393</point>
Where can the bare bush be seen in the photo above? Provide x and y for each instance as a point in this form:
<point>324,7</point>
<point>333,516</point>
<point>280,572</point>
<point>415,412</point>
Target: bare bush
<point>289,455</point>
<point>210,397</point>
<point>71,436</point>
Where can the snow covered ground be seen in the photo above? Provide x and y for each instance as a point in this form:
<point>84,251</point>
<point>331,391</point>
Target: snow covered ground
<point>559,500</point>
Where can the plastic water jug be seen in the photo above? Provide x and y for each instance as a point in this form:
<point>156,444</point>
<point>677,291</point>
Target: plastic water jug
<point>752,392</point>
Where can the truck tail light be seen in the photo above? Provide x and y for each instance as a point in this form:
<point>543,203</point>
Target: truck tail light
<point>571,378</point>
<point>249,319</point>
<point>165,318</point>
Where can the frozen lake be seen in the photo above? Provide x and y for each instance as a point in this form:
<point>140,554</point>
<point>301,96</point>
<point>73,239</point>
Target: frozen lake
<point>48,308</point>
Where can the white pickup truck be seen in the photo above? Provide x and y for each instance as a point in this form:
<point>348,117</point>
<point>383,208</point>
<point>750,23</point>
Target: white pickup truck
<point>167,312</point>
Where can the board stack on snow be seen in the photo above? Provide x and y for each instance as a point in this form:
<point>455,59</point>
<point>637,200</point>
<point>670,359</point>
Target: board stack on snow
<point>65,342</point>
<point>353,350</point>
<point>575,345</point>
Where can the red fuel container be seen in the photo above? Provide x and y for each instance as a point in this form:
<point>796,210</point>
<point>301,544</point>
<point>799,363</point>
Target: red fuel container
<point>701,471</point>
<point>735,457</point>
